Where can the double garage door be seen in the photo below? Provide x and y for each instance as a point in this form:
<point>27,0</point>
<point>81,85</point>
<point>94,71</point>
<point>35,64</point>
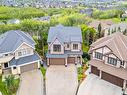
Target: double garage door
<point>57,61</point>
<point>108,77</point>
<point>29,67</point>
<point>112,79</point>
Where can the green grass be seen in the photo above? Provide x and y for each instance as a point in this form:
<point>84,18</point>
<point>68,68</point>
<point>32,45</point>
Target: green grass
<point>43,70</point>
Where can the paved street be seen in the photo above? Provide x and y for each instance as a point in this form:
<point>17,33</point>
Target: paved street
<point>31,83</point>
<point>61,80</point>
<point>93,85</point>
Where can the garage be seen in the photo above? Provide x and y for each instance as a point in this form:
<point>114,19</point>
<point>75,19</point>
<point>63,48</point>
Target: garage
<point>29,67</point>
<point>71,60</point>
<point>95,71</point>
<point>57,61</point>
<point>112,79</point>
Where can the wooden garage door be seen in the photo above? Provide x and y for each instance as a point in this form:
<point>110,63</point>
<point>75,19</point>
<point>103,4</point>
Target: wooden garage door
<point>95,71</point>
<point>57,61</point>
<point>112,79</point>
<point>71,60</point>
<point>28,67</point>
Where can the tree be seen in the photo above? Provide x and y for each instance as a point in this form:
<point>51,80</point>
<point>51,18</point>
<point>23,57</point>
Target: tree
<point>11,84</point>
<point>99,30</point>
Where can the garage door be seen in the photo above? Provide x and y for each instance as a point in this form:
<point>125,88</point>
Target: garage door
<point>28,67</point>
<point>57,61</point>
<point>113,79</point>
<point>95,71</point>
<point>71,60</point>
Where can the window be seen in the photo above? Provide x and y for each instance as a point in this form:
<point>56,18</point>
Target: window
<point>98,55</point>
<point>5,65</point>
<point>20,53</point>
<point>75,46</point>
<point>56,48</point>
<point>6,54</point>
<point>122,63</point>
<point>112,61</point>
<point>67,45</point>
<point>24,52</point>
<point>14,67</point>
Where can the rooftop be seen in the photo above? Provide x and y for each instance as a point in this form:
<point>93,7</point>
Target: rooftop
<point>117,42</point>
<point>65,34</point>
<point>11,40</point>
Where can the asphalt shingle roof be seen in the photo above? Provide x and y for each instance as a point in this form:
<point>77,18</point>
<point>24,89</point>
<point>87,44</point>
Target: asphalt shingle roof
<point>117,42</point>
<point>11,40</point>
<point>24,60</point>
<point>66,34</point>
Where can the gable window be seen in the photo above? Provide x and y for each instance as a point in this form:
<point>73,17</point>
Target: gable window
<point>98,55</point>
<point>112,61</point>
<point>75,46</point>
<point>20,53</point>
<point>122,63</point>
<point>67,45</point>
<point>57,48</point>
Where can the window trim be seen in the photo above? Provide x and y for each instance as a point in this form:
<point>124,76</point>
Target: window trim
<point>57,49</point>
<point>98,55</point>
<point>75,46</point>
<point>112,60</point>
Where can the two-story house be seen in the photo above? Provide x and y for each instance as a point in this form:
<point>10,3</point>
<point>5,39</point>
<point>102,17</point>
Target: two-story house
<point>17,53</point>
<point>109,59</point>
<point>64,45</point>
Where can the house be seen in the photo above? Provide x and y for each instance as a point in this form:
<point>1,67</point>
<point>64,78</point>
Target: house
<point>64,45</point>
<point>17,53</point>
<point>109,59</point>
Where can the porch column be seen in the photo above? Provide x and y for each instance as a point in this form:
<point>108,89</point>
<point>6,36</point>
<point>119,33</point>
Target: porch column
<point>124,84</point>
<point>39,64</point>
<point>48,61</point>
<point>66,62</point>
<point>100,74</point>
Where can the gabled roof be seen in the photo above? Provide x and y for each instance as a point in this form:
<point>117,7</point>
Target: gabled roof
<point>117,42</point>
<point>11,40</point>
<point>66,34</point>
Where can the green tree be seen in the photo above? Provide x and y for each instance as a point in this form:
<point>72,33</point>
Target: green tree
<point>99,30</point>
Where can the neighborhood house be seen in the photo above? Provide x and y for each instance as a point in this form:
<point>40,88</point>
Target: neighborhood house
<point>109,59</point>
<point>64,46</point>
<point>17,53</point>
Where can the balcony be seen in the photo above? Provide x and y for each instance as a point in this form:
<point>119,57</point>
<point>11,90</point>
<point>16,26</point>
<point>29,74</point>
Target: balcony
<point>6,58</point>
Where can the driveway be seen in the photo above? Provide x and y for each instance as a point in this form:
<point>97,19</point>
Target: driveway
<point>93,85</point>
<point>61,80</point>
<point>31,83</point>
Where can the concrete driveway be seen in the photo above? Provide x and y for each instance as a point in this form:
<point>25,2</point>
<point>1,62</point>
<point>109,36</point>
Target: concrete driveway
<point>93,85</point>
<point>61,80</point>
<point>31,83</point>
